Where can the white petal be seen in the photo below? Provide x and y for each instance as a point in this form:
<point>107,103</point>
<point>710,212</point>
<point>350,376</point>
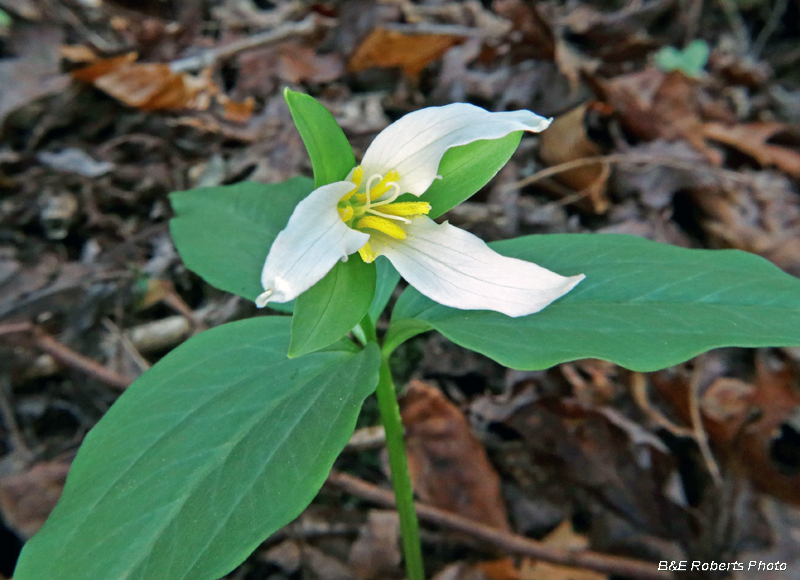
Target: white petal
<point>312,242</point>
<point>455,268</point>
<point>414,145</point>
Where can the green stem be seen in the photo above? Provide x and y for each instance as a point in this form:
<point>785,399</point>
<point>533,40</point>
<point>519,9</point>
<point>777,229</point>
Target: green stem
<point>401,480</point>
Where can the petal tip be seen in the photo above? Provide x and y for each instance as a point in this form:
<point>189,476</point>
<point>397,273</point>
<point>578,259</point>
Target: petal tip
<point>263,298</point>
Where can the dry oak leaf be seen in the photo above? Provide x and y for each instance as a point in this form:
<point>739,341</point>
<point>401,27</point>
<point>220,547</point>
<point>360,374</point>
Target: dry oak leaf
<point>411,52</point>
<point>753,139</point>
<point>563,537</point>
<point>155,86</point>
<point>148,87</point>
<point>565,140</point>
<point>653,105</point>
<point>297,64</point>
<point>448,465</point>
<point>27,498</point>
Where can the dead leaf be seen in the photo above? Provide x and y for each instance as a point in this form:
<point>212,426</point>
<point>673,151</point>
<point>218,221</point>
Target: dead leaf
<point>572,63</point>
<point>654,105</point>
<point>762,217</point>
<point>537,40</point>
<point>237,111</point>
<point>78,54</point>
<point>613,458</point>
<point>376,552</point>
<point>744,421</point>
<point>27,498</point>
<point>753,139</point>
<point>448,465</point>
<point>154,86</point>
<point>564,537</point>
<point>411,52</point>
<point>654,184</point>
<point>35,72</point>
<point>321,566</point>
<point>566,139</point>
<point>299,64</point>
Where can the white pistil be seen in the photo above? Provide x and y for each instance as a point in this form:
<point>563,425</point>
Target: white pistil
<point>390,199</point>
<point>389,217</point>
<point>369,187</point>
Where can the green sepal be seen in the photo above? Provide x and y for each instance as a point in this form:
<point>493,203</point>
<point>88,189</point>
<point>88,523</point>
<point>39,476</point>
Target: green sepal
<point>328,310</point>
<point>465,170</point>
<point>385,285</point>
<point>331,155</point>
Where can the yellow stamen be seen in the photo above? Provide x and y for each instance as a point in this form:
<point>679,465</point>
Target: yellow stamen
<point>382,225</point>
<point>367,254</point>
<point>349,194</point>
<point>358,176</point>
<point>406,208</point>
<point>345,213</point>
<point>383,186</point>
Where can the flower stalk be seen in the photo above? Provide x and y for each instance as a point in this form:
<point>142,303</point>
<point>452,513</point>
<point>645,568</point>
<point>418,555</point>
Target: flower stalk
<point>398,462</point>
<point>401,480</point>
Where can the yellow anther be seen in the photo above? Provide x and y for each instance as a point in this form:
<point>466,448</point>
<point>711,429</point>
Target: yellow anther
<point>349,194</point>
<point>406,208</point>
<point>383,186</point>
<point>345,213</point>
<point>388,227</point>
<point>367,254</point>
<point>358,176</point>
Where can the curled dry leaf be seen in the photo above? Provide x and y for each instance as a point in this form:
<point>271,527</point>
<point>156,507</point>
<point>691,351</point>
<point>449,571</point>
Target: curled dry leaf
<point>27,498</point>
<point>762,217</point>
<point>297,64</point>
<point>751,425</point>
<point>155,86</point>
<point>654,105</point>
<point>564,536</point>
<point>145,86</point>
<point>752,139</point>
<point>567,139</point>
<point>448,465</point>
<point>376,552</point>
<point>411,52</point>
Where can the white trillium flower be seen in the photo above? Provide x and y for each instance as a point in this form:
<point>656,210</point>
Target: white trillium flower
<point>361,214</point>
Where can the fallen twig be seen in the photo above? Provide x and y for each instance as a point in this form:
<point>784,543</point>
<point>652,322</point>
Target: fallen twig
<point>511,543</point>
<point>367,438</point>
<point>447,29</point>
<point>309,25</point>
<point>697,425</point>
<point>772,24</point>
<point>65,355</point>
<point>632,158</point>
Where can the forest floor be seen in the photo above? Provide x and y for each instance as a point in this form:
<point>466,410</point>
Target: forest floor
<point>675,120</point>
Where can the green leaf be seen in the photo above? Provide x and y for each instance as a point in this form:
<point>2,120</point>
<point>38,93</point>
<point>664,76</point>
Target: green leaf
<point>328,310</point>
<point>220,444</point>
<point>643,305</point>
<point>387,281</point>
<point>224,233</point>
<point>690,61</point>
<point>466,169</point>
<point>331,155</point>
